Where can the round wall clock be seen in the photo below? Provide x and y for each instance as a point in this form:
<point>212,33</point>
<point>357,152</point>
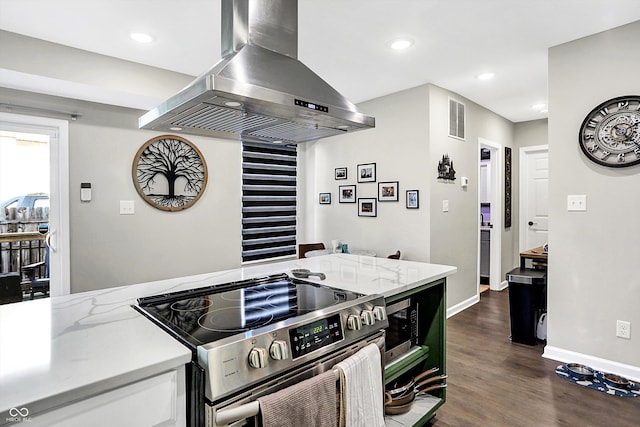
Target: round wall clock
<point>610,134</point>
<point>169,173</point>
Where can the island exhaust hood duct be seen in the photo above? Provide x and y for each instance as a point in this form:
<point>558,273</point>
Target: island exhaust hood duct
<point>259,91</point>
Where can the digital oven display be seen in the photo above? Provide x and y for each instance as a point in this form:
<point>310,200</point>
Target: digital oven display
<point>313,336</point>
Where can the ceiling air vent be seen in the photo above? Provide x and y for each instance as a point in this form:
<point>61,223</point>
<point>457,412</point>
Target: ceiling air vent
<point>456,119</point>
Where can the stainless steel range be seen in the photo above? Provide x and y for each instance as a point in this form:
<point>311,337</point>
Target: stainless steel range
<point>253,337</point>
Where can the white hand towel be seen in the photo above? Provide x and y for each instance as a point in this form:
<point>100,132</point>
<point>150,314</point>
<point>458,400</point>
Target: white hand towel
<point>361,389</point>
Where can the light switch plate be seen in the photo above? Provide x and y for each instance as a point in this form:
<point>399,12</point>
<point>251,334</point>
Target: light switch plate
<point>127,207</point>
<point>445,206</point>
<point>577,202</point>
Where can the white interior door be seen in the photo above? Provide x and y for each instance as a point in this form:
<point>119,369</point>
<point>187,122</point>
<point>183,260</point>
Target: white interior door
<point>534,196</point>
<point>58,237</point>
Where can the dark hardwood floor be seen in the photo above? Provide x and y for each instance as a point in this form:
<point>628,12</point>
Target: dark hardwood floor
<point>493,382</point>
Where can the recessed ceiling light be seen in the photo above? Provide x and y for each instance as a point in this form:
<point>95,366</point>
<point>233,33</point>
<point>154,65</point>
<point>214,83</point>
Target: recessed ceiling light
<point>538,106</point>
<point>401,44</point>
<point>485,76</point>
<point>141,37</point>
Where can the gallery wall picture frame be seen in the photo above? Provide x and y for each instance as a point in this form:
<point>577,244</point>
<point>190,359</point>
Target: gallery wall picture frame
<point>347,194</point>
<point>367,207</point>
<point>325,198</point>
<point>367,172</point>
<point>169,173</point>
<point>413,199</point>
<point>341,173</point>
<point>388,191</point>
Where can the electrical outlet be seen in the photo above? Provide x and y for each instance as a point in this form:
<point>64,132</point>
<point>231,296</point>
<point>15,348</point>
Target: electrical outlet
<point>623,329</point>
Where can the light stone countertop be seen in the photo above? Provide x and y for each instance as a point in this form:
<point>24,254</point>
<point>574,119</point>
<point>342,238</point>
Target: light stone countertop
<point>58,350</point>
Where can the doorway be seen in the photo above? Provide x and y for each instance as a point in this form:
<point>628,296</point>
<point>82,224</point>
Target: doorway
<point>58,235</point>
<point>489,215</point>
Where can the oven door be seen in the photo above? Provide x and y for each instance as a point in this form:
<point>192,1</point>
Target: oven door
<point>242,408</point>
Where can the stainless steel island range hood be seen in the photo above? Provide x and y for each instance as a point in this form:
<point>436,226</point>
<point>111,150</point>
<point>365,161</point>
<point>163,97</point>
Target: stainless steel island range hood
<point>259,91</point>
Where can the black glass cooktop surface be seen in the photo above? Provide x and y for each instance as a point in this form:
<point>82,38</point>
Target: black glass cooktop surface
<point>203,315</point>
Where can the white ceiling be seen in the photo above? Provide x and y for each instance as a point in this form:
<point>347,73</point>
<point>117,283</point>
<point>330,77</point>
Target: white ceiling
<point>346,41</point>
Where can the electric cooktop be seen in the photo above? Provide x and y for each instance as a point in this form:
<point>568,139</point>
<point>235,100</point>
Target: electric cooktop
<point>203,315</point>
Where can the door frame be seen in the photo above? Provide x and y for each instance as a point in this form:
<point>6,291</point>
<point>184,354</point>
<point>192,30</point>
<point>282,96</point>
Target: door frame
<point>58,132</point>
<point>495,253</point>
<point>522,191</point>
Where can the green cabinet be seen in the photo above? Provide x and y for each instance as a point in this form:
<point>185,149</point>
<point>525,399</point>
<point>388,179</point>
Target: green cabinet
<point>429,352</point>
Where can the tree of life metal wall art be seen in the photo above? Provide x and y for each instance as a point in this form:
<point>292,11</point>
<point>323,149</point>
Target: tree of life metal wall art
<point>169,173</point>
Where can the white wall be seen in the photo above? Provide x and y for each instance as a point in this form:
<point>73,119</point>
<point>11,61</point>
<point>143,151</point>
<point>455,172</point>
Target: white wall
<point>526,134</point>
<point>455,234</point>
<point>398,146</point>
<point>109,249</point>
<point>592,277</point>
<point>409,139</point>
<point>28,63</point>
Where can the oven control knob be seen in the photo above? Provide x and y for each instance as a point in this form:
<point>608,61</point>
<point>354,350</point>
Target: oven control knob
<point>368,318</point>
<point>279,350</point>
<point>379,312</point>
<point>354,323</point>
<point>258,357</point>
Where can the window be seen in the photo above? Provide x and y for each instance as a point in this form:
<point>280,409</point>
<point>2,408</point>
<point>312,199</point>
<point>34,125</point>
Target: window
<point>456,119</point>
<point>268,201</point>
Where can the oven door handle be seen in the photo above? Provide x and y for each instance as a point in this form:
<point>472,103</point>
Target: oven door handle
<point>251,409</point>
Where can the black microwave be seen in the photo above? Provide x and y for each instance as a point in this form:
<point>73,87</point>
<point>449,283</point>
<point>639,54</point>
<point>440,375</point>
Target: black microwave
<point>402,333</point>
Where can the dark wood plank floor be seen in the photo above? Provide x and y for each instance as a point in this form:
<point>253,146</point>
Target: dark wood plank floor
<point>493,382</point>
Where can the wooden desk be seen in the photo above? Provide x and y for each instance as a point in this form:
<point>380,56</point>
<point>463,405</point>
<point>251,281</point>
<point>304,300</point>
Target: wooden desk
<point>536,254</point>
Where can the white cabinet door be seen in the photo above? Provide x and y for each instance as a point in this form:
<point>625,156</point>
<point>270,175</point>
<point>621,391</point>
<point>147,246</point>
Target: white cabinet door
<point>156,401</point>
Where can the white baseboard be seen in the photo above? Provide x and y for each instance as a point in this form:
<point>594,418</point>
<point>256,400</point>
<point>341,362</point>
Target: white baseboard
<point>452,311</point>
<point>628,371</point>
<point>504,285</point>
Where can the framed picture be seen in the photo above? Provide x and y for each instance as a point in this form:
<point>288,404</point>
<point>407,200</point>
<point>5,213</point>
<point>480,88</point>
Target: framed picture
<point>388,191</point>
<point>325,198</point>
<point>341,173</point>
<point>347,194</point>
<point>367,172</point>
<point>169,173</point>
<point>367,207</point>
<point>412,199</point>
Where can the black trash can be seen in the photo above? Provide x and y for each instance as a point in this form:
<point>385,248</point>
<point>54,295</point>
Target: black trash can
<point>527,300</point>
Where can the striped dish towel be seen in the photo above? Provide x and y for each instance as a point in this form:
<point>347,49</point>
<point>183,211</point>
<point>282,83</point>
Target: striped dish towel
<point>361,389</point>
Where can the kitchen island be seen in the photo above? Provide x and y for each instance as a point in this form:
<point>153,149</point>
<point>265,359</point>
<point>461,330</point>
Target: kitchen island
<point>60,356</point>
